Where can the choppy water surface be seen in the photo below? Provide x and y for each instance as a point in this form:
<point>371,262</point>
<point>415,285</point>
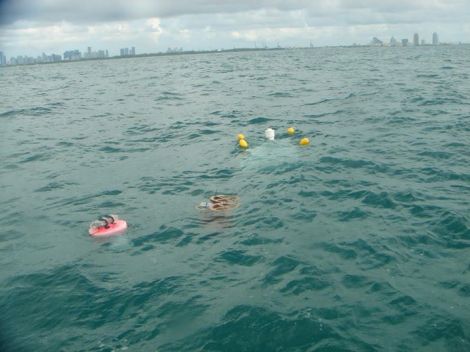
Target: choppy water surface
<point>359,242</point>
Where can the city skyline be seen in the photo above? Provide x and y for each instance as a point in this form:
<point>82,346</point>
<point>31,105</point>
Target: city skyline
<point>68,55</point>
<point>29,28</point>
<point>76,54</point>
<point>101,53</point>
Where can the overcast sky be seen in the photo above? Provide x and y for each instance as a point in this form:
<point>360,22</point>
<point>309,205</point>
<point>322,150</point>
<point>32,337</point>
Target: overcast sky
<point>35,26</point>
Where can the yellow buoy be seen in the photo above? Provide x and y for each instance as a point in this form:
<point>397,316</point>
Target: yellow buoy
<point>291,130</point>
<point>304,141</point>
<point>243,143</point>
<point>240,136</point>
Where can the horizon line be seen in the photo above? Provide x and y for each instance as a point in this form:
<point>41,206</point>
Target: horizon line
<point>214,51</point>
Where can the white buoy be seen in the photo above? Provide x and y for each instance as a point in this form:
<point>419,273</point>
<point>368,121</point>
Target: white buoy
<point>270,134</point>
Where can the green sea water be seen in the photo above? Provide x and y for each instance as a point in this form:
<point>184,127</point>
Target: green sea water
<point>358,242</point>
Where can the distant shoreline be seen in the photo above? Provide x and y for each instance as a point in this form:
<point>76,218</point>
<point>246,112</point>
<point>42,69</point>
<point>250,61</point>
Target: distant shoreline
<point>189,52</point>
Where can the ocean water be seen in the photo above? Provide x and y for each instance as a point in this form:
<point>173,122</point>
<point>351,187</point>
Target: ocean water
<point>358,242</point>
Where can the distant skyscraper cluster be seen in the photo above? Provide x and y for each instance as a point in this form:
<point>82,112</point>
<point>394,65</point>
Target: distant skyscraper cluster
<point>69,55</point>
<point>24,60</point>
<point>72,55</point>
<point>127,51</point>
<point>100,54</point>
<point>405,42</point>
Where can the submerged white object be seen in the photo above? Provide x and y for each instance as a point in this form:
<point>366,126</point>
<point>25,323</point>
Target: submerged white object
<point>270,134</point>
<point>204,205</point>
<point>270,155</point>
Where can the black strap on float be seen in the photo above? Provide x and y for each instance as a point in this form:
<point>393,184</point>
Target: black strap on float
<point>108,219</point>
<point>105,220</point>
<point>111,218</point>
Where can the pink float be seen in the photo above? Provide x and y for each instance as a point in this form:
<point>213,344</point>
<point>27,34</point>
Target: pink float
<point>108,225</point>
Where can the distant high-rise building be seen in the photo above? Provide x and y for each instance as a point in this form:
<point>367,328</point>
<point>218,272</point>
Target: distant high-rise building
<point>72,55</point>
<point>3,59</point>
<point>393,41</point>
<point>435,39</point>
<point>127,51</point>
<point>416,39</point>
<point>25,60</point>
<point>404,42</point>
<point>376,42</point>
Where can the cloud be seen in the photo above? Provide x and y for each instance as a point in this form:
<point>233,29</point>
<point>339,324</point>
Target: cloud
<point>89,11</point>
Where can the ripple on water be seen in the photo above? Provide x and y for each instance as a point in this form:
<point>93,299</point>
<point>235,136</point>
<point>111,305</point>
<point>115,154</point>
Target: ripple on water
<point>238,257</point>
<point>34,111</point>
<point>246,327</point>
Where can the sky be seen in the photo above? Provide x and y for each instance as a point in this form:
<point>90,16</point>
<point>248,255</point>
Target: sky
<point>31,27</point>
